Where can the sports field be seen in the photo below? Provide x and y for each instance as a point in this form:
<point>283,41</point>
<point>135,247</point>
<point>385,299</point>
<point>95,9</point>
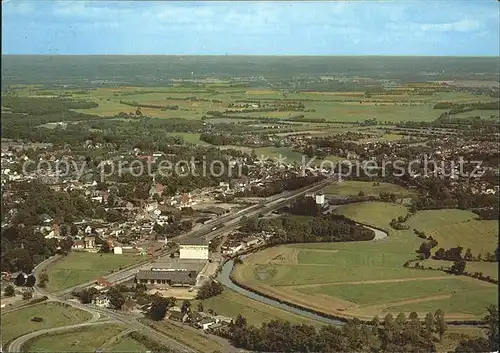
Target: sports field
<point>82,267</point>
<point>284,154</point>
<point>364,279</point>
<point>351,188</point>
<point>18,323</point>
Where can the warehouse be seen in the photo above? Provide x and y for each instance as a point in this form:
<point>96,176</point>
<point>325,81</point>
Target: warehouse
<point>193,248</point>
<point>171,273</point>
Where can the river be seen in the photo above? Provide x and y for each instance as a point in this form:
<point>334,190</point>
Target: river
<point>224,278</point>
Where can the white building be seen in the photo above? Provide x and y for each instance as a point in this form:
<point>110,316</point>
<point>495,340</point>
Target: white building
<point>195,249</point>
<point>320,199</point>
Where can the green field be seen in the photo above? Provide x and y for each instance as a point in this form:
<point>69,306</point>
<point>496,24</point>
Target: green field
<point>487,268</point>
<point>189,336</point>
<point>458,228</point>
<point>127,344</point>
<point>351,188</point>
<point>377,214</point>
<point>189,137</point>
<point>273,153</point>
<point>367,278</point>
<point>86,339</point>
<point>82,267</point>
<point>380,293</point>
<point>230,303</point>
<point>18,323</point>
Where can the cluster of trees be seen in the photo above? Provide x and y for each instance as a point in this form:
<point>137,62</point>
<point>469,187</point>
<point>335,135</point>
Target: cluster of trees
<point>455,253</point>
<point>400,334</point>
<point>305,229</point>
<point>490,343</point>
<point>425,248</point>
<point>210,289</point>
<point>457,107</point>
<point>22,248</point>
<point>142,105</point>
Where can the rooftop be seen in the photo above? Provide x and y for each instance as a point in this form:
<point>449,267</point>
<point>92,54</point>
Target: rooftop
<point>193,241</point>
<point>178,264</point>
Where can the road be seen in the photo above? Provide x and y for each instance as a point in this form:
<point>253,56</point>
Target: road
<point>230,221</point>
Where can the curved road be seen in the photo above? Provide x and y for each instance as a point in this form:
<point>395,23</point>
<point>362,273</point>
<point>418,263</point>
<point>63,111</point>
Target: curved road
<point>17,344</point>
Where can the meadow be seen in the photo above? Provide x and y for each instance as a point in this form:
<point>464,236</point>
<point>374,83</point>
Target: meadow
<point>364,279</point>
<point>275,153</point>
<point>230,304</point>
<point>18,323</point>
<point>82,267</point>
<point>87,339</point>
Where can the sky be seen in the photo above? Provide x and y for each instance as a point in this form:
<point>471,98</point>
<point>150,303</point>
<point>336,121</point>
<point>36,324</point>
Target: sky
<point>422,27</point>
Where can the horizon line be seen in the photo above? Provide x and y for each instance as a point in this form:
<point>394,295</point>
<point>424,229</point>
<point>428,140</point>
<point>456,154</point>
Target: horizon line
<point>269,55</point>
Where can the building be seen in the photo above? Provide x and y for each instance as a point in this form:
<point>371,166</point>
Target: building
<point>165,279</point>
<point>194,248</point>
<point>251,241</point>
<point>101,301</point>
<point>206,323</point>
<point>320,199</point>
<point>171,273</point>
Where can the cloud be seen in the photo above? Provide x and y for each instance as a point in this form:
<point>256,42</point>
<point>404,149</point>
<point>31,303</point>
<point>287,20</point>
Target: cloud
<point>459,26</point>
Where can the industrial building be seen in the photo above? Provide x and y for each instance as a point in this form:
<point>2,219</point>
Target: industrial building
<point>193,249</point>
<point>171,273</point>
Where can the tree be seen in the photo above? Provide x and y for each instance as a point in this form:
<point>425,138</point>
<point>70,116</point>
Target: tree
<point>116,298</point>
<point>186,306</point>
<point>468,255</point>
<point>87,295</point>
<point>200,306</point>
<point>458,267</point>
<point>30,281</point>
<point>20,280</point>
<point>159,308</point>
<point>44,278</point>
<point>492,320</point>
<point>209,289</point>
<point>430,322</point>
<point>361,193</point>
<point>73,230</point>
<point>441,325</point>
<point>473,345</point>
<point>9,291</point>
<point>27,295</point>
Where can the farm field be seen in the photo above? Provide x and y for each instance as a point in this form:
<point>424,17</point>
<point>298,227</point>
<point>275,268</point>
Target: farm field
<point>364,279</point>
<point>18,323</point>
<point>331,106</point>
<point>487,268</point>
<point>87,339</point>
<point>353,188</point>
<point>189,137</point>
<point>230,303</point>
<point>377,214</point>
<point>82,267</point>
<point>190,337</point>
<point>451,227</point>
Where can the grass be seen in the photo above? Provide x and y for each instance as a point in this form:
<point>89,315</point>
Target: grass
<point>127,344</point>
<point>189,137</point>
<point>190,337</point>
<point>86,339</point>
<point>230,304</point>
<point>18,323</point>
<point>329,276</point>
<point>458,228</point>
<point>350,188</point>
<point>82,267</point>
<point>377,214</point>
<point>277,152</point>
<point>487,268</point>
<point>380,293</point>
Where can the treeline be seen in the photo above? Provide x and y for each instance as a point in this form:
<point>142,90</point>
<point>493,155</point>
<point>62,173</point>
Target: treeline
<point>44,106</point>
<point>304,229</point>
<point>142,105</point>
<point>457,108</point>
<point>400,334</point>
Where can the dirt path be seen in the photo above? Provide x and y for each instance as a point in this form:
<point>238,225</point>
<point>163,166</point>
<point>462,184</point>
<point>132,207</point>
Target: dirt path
<point>366,282</point>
